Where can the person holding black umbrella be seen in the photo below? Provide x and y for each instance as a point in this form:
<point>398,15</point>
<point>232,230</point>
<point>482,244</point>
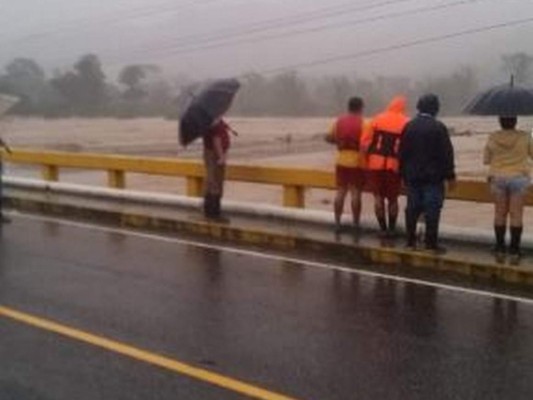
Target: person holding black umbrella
<point>507,153</point>
<point>216,145</point>
<point>202,118</point>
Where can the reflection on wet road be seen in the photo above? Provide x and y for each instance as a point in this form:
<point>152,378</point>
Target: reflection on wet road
<point>288,327</point>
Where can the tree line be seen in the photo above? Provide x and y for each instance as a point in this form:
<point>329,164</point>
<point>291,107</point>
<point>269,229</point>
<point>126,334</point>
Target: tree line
<point>142,90</point>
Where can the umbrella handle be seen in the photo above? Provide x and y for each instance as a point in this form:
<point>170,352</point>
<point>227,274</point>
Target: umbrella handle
<point>5,146</point>
<point>229,128</point>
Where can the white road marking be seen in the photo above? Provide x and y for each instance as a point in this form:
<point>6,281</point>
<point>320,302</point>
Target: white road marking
<point>251,253</point>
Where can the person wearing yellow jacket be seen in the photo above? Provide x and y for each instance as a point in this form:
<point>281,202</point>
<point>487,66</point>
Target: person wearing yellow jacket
<point>508,153</point>
<point>380,143</point>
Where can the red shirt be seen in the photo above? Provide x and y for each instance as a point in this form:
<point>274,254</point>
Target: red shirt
<point>348,131</point>
<point>220,129</point>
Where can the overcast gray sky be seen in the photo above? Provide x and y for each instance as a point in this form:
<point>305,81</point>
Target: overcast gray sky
<point>184,36</point>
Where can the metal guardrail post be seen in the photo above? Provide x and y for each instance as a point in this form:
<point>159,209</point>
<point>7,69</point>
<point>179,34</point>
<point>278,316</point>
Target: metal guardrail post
<point>116,179</point>
<point>50,173</point>
<point>293,196</point>
<point>195,186</point>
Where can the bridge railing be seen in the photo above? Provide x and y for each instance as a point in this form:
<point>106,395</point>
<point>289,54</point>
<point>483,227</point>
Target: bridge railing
<point>294,181</point>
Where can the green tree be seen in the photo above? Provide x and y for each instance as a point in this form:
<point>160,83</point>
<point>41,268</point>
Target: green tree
<point>252,99</point>
<point>25,79</point>
<point>332,94</point>
<point>520,65</point>
<point>289,95</point>
<point>84,88</point>
<point>454,90</point>
<point>133,77</point>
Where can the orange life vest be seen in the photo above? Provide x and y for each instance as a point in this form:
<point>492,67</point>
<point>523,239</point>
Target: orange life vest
<point>382,142</point>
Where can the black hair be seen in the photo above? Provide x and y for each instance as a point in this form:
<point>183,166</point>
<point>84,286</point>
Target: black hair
<point>355,105</point>
<point>508,123</point>
<point>429,104</point>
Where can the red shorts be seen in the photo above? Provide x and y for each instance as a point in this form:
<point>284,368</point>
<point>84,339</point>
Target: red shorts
<point>347,177</point>
<point>386,184</point>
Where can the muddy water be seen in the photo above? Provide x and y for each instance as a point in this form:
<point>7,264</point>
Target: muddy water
<point>266,141</point>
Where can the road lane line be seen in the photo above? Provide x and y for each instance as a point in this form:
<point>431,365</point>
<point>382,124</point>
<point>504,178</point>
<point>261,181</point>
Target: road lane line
<point>138,354</point>
<point>276,257</point>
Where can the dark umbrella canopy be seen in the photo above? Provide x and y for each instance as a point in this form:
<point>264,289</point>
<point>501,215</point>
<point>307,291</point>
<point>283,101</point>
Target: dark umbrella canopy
<point>506,100</point>
<point>203,109</point>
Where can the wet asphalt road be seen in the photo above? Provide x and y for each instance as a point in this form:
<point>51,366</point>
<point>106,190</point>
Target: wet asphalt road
<point>301,331</point>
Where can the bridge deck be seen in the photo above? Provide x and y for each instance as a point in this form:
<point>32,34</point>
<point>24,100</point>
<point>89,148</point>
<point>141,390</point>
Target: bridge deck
<point>304,330</point>
<point>469,262</point>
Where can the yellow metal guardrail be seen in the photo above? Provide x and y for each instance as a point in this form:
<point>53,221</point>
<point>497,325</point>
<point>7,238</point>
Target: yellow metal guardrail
<point>294,181</point>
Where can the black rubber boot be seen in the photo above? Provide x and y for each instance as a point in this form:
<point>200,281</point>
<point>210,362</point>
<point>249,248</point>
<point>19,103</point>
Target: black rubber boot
<point>217,210</point>
<point>209,206</point>
<point>514,248</point>
<point>382,223</point>
<point>392,223</point>
<point>499,233</point>
<point>216,206</point>
<point>516,238</point>
<point>410,228</point>
<point>432,234</point>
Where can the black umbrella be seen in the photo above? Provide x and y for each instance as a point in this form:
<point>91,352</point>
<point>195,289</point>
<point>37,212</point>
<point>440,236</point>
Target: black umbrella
<point>205,108</point>
<point>506,100</point>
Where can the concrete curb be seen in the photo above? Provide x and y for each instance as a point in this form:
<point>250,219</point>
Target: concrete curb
<point>314,217</point>
<point>388,259</point>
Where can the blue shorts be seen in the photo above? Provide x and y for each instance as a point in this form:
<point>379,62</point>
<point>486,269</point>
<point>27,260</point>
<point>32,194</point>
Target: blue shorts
<point>506,186</point>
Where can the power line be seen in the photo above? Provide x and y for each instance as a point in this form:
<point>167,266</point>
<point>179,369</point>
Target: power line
<point>387,49</point>
<point>265,25</point>
<point>242,30</point>
<point>234,33</point>
<point>133,14</point>
<point>146,12</point>
<point>276,23</point>
<point>224,43</point>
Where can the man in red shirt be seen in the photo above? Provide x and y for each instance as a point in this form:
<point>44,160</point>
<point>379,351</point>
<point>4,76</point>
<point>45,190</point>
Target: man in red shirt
<point>346,134</point>
<point>216,146</point>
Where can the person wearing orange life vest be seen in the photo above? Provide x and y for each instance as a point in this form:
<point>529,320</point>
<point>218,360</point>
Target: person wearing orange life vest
<point>381,143</point>
<point>346,134</point>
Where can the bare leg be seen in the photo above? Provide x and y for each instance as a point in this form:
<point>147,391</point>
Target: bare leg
<point>516,209</point>
<point>393,209</point>
<point>338,206</point>
<point>379,210</point>
<point>356,205</point>
<point>501,210</point>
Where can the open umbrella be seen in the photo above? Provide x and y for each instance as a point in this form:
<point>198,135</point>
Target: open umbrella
<point>506,101</point>
<point>205,108</point>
